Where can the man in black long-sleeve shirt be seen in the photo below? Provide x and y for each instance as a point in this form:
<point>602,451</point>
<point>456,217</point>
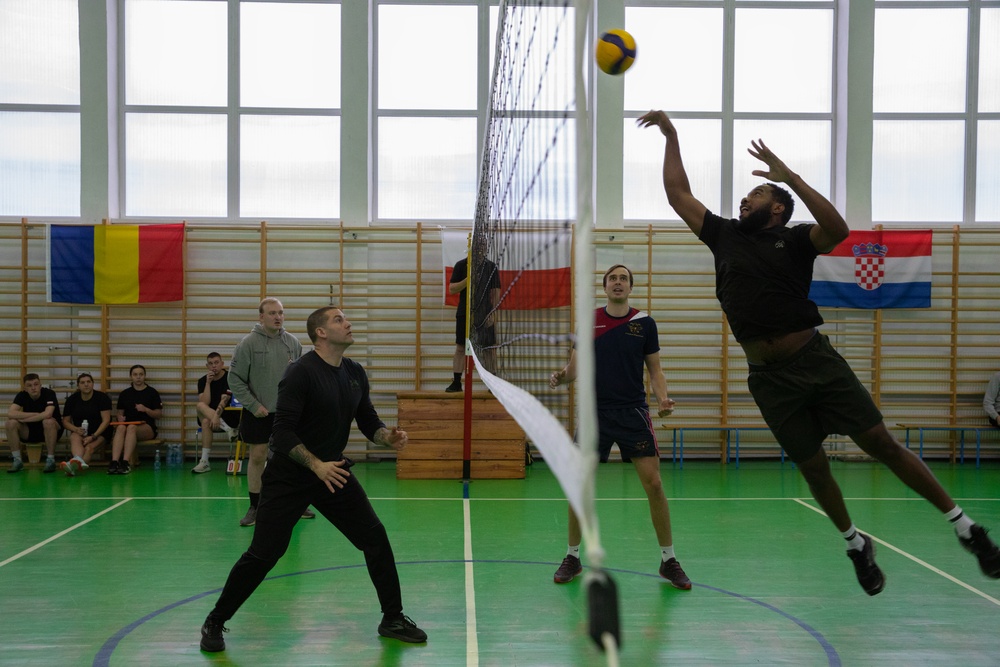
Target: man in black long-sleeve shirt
<point>318,398</point>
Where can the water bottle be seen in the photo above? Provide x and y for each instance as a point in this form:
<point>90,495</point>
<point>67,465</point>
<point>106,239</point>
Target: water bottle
<point>156,461</point>
<point>85,425</point>
<point>174,455</point>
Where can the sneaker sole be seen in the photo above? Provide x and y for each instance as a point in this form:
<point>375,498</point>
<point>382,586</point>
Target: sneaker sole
<point>566,581</point>
<point>682,587</point>
<point>403,638</point>
<point>211,648</point>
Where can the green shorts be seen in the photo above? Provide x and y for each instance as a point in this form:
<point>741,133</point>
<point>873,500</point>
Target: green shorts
<point>810,395</point>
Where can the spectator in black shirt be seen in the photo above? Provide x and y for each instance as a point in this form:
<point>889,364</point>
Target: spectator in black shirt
<point>805,390</point>
<point>213,398</point>
<point>33,417</point>
<point>139,406</point>
<point>87,417</point>
<point>318,398</point>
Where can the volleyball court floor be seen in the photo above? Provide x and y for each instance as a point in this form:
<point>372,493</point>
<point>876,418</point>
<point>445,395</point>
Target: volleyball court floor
<point>112,570</point>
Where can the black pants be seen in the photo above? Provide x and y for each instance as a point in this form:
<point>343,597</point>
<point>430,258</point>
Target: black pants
<point>287,490</point>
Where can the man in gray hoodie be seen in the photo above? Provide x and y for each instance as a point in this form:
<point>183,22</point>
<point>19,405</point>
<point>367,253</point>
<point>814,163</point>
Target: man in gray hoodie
<point>259,362</point>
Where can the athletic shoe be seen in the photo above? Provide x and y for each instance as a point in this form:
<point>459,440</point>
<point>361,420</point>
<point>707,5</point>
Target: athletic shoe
<point>308,514</point>
<point>69,467</point>
<point>211,636</point>
<point>671,570</point>
<point>869,575</point>
<point>456,385</point>
<point>17,465</point>
<point>402,628</point>
<point>250,518</point>
<point>568,570</point>
<point>113,468</point>
<point>982,547</point>
<point>202,466</point>
<point>83,466</point>
<point>124,468</point>
<point>50,465</point>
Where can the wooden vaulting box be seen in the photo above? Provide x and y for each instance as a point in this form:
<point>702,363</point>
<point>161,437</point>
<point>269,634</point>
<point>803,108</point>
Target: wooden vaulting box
<point>434,421</point>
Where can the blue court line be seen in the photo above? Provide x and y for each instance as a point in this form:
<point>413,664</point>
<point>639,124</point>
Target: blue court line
<point>103,657</point>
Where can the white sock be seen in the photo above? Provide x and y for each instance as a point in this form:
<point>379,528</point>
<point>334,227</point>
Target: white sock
<point>854,539</point>
<point>667,553</point>
<point>50,457</point>
<point>573,551</point>
<point>960,522</point>
<point>205,451</point>
<point>16,454</point>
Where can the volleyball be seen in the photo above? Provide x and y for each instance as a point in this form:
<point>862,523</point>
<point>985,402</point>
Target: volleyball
<point>615,51</point>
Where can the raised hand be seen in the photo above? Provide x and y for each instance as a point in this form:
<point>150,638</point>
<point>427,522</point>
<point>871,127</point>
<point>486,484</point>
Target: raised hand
<point>777,171</point>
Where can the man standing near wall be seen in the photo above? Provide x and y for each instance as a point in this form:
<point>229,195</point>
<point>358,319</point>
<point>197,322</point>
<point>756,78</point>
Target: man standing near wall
<point>259,362</point>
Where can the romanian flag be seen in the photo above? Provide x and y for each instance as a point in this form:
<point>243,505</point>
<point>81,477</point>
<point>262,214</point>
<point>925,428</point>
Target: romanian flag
<point>115,263</point>
<point>543,278</point>
<point>875,269</point>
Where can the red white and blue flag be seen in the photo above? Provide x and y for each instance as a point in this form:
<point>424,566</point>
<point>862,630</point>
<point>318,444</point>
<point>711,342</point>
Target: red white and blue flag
<point>875,269</point>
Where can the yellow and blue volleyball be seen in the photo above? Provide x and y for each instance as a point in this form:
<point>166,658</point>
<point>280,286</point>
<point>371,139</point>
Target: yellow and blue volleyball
<point>615,51</point>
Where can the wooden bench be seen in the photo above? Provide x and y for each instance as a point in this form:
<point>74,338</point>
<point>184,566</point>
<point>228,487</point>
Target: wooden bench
<point>960,429</point>
<point>729,448</point>
<point>435,424</point>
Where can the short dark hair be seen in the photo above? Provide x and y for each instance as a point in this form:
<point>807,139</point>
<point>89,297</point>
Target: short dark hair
<point>135,367</point>
<point>30,376</point>
<point>617,266</point>
<point>784,197</point>
<point>316,320</point>
<point>213,355</point>
<point>84,375</point>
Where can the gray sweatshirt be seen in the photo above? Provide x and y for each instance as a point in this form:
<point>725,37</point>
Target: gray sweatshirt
<point>258,364</point>
<point>991,400</point>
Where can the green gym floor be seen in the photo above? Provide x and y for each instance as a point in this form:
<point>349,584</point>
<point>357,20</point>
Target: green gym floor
<point>101,570</point>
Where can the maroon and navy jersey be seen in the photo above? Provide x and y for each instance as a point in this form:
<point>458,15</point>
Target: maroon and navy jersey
<point>621,345</point>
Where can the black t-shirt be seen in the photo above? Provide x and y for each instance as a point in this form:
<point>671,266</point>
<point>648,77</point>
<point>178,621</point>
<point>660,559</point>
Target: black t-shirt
<point>219,387</point>
<point>130,397</point>
<point>44,400</point>
<point>489,279</point>
<point>317,403</point>
<point>78,409</point>
<point>762,278</point>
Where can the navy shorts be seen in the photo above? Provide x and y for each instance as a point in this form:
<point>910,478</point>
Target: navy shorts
<point>812,394</point>
<point>631,429</point>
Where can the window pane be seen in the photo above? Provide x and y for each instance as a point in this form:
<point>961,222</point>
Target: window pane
<point>175,165</point>
<point>920,60</point>
<point>664,38</point>
<point>701,146</point>
<point>549,64</point>
<point>427,57</point>
<point>175,52</point>
<point>289,55</point>
<point>805,146</point>
<point>989,60</point>
<point>290,166</point>
<point>988,172</point>
<point>39,163</point>
<point>803,83</point>
<point>427,168</point>
<point>39,52</point>
<point>918,171</point>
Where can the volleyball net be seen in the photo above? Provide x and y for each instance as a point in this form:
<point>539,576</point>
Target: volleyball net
<point>531,266</point>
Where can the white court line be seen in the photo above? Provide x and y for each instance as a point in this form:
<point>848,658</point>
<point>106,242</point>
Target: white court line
<point>471,632</point>
<point>58,535</point>
<point>916,560</point>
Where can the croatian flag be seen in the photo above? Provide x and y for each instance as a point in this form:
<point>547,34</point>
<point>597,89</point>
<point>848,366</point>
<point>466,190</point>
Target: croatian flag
<point>875,269</point>
<point>543,281</point>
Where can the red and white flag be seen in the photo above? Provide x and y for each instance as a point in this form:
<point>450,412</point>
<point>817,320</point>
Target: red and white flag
<point>541,279</point>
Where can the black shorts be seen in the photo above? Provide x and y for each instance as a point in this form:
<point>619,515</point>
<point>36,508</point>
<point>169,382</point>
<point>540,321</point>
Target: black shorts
<point>256,430</point>
<point>631,429</point>
<point>812,394</point>
<point>36,432</point>
<point>483,336</point>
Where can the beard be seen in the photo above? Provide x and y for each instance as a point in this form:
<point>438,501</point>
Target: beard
<point>755,221</point>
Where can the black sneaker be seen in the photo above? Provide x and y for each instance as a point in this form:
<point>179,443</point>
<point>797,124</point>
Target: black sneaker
<point>113,468</point>
<point>982,547</point>
<point>211,636</point>
<point>456,385</point>
<point>671,570</point>
<point>124,468</point>
<point>570,567</point>
<point>402,628</point>
<point>869,575</point>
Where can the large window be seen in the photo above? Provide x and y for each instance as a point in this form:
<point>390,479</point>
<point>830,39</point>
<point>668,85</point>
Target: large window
<point>722,92</point>
<point>39,108</point>
<point>210,135</point>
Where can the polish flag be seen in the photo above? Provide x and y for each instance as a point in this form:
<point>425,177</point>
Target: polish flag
<point>875,269</point>
<point>535,272</point>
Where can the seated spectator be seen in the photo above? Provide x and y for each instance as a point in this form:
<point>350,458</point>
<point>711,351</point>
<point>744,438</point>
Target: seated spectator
<point>213,397</point>
<point>139,404</point>
<point>991,400</point>
<point>87,417</point>
<point>33,417</point>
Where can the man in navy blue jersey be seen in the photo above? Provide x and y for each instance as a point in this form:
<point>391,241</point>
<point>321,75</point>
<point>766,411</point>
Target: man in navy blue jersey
<point>625,341</point>
<point>805,390</point>
<point>318,398</point>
